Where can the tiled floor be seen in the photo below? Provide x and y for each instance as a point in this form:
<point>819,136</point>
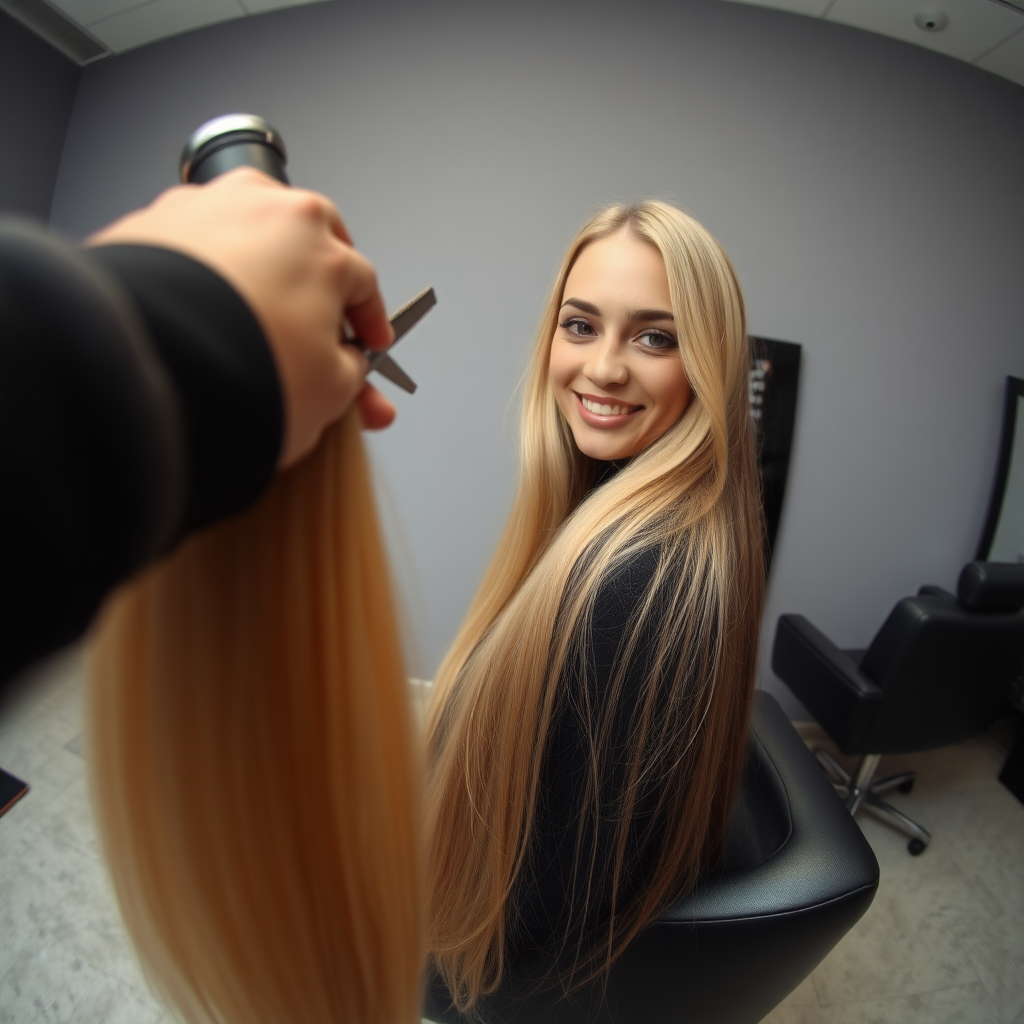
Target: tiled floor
<point>943,941</point>
<point>63,952</point>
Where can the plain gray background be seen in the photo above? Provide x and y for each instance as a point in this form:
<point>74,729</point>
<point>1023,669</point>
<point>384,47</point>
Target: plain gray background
<point>868,192</point>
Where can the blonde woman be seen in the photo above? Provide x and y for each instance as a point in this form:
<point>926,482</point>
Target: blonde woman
<point>587,727</point>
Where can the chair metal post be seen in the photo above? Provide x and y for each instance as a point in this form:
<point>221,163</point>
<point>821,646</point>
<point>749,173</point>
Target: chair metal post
<point>860,787</point>
<point>860,793</point>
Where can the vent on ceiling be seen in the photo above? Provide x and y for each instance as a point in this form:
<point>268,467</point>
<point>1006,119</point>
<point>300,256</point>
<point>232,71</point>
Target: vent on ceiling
<point>56,29</point>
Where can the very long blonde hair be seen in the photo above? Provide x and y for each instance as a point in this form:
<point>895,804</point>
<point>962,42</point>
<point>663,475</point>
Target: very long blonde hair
<point>252,766</point>
<point>692,497</point>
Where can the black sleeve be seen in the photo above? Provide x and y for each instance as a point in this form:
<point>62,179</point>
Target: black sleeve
<point>220,367</point>
<point>543,908</point>
<point>138,400</point>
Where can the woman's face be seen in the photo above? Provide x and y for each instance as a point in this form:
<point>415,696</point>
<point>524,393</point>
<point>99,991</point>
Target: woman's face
<point>615,368</point>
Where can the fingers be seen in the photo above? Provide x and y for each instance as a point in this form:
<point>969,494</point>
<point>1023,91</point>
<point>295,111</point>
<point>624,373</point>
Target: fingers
<point>334,221</point>
<point>369,321</point>
<point>353,368</point>
<point>364,307</point>
<point>356,284</point>
<point>376,411</point>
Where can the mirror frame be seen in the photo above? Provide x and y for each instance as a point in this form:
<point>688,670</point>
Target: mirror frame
<point>1014,392</point>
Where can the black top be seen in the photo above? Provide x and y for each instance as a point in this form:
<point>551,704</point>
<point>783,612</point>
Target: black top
<point>541,913</point>
<point>139,402</point>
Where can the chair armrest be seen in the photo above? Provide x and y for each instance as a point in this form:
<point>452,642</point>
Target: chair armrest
<point>826,681</point>
<point>930,590</point>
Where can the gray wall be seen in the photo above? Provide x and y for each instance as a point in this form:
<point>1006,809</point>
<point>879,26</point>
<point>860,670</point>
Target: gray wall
<point>868,192</point>
<point>37,92</point>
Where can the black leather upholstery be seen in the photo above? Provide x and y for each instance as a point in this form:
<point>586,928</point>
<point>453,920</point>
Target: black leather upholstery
<point>991,587</point>
<point>796,874</point>
<point>937,672</point>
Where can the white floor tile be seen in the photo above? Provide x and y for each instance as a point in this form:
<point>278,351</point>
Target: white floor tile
<point>55,985</point>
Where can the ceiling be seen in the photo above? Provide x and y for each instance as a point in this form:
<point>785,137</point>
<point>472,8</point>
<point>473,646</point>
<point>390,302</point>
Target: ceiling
<point>88,30</point>
<point>986,33</point>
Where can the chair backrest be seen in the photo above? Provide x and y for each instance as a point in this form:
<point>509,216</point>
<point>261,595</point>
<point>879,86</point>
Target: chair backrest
<point>991,587</point>
<point>945,664</point>
<point>796,875</point>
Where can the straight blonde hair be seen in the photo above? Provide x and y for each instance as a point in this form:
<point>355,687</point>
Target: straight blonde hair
<point>692,498</point>
<point>252,766</point>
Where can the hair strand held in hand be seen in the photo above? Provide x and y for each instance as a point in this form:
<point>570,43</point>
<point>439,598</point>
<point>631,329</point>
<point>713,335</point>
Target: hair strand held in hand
<point>252,762</point>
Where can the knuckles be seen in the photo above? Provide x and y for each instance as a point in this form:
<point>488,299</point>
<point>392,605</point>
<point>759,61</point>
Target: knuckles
<point>309,205</point>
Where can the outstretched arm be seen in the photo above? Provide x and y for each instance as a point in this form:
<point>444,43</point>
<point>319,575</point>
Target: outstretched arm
<point>153,383</point>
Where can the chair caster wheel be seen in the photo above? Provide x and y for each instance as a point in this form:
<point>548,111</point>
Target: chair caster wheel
<point>916,847</point>
<point>906,787</point>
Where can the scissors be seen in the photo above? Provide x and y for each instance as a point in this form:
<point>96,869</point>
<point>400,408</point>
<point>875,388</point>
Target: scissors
<point>401,320</point>
<point>236,140</point>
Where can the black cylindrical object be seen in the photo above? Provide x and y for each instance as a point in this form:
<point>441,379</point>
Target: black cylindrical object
<point>230,141</point>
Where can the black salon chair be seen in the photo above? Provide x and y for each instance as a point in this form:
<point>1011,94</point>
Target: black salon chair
<point>938,672</point>
<point>796,875</point>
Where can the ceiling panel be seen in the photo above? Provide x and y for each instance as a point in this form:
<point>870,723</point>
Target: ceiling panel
<point>986,33</point>
<point>812,8</point>
<point>160,18</point>
<point>1007,59</point>
<point>126,24</point>
<point>975,26</point>
<point>262,6</point>
<point>87,11</point>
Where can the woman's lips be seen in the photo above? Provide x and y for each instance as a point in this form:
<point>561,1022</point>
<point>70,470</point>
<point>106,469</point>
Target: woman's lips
<point>601,412</point>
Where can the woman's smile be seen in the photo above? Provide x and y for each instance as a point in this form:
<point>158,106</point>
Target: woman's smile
<point>605,412</point>
<point>615,368</point>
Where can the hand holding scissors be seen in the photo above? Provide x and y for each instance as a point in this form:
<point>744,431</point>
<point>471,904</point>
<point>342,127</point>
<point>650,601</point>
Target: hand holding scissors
<point>243,140</point>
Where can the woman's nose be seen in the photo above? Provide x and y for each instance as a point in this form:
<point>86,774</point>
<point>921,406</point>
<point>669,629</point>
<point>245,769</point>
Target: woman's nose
<point>607,365</point>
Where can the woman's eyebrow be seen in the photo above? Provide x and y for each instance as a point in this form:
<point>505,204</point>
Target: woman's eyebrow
<point>634,315</point>
<point>583,306</point>
<point>649,315</point>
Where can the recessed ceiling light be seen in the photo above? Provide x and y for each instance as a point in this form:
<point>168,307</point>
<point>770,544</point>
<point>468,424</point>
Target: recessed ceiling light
<point>931,21</point>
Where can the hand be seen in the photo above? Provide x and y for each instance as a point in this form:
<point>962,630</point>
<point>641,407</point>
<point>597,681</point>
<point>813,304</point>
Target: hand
<point>288,254</point>
<point>375,410</point>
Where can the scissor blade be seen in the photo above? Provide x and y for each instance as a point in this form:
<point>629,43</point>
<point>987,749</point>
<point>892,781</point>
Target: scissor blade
<point>412,312</point>
<point>387,367</point>
<point>401,320</point>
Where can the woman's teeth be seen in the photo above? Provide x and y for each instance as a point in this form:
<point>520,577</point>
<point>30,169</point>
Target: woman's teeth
<point>605,410</point>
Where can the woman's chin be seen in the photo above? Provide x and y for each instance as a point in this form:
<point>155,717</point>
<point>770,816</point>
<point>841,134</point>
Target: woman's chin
<point>605,449</point>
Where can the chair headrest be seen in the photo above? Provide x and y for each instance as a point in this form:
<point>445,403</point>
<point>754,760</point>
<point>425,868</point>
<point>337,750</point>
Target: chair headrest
<point>991,587</point>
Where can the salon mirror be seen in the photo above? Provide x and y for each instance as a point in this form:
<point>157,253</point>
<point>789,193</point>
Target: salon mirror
<point>1002,539</point>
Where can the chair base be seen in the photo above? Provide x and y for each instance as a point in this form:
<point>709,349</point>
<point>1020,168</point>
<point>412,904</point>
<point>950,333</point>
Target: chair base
<point>862,792</point>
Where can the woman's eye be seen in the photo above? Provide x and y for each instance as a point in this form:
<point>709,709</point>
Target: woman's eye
<point>578,328</point>
<point>657,341</point>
